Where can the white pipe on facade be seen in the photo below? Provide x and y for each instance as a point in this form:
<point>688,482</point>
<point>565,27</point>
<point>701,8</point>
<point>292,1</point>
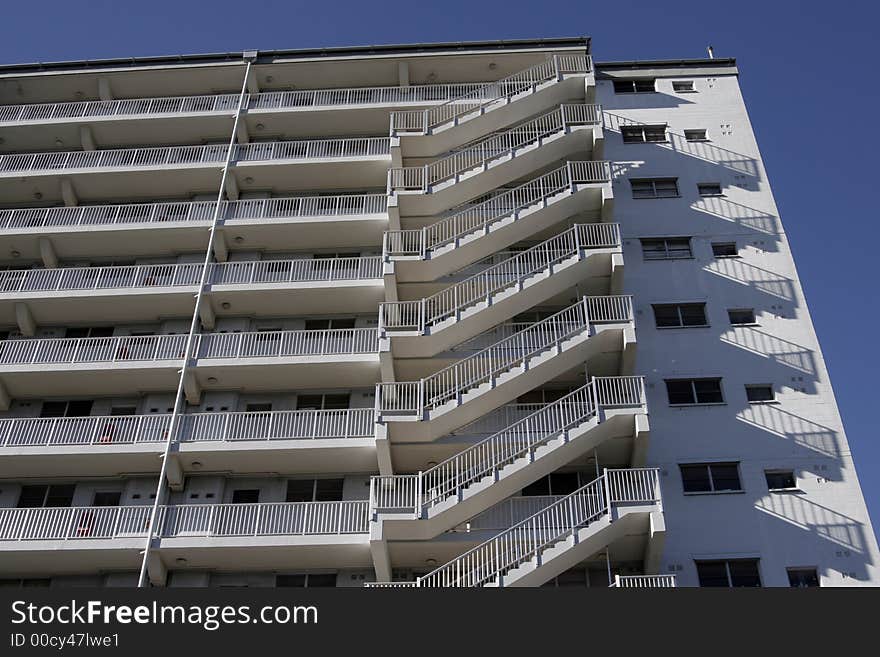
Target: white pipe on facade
<point>193,329</point>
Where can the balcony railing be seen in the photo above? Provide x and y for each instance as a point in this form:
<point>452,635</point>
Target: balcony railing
<point>209,155</point>
<point>449,302</point>
<point>188,275</point>
<point>448,384</point>
<point>189,520</point>
<point>201,212</point>
<point>228,103</point>
<point>487,458</point>
<point>169,348</point>
<point>644,581</point>
<point>489,95</point>
<point>479,154</point>
<point>477,218</point>
<point>197,427</point>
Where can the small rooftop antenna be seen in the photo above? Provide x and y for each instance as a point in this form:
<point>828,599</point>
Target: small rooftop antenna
<point>711,52</point>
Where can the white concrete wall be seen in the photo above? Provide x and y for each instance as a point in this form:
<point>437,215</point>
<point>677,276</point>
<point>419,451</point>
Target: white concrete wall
<point>826,524</point>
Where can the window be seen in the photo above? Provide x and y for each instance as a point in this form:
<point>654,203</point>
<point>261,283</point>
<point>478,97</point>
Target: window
<point>801,578</point>
<point>741,316</point>
<point>683,86</point>
<point>75,408</point>
<point>641,86</point>
<point>695,135</point>
<point>556,483</point>
<point>45,496</point>
<point>246,496</point>
<point>314,490</point>
<point>674,315</point>
<point>323,402</point>
<point>258,407</point>
<point>332,323</point>
<point>639,134</point>
<point>730,573</point>
<point>709,189</point>
<point>724,250</point>
<point>308,580</point>
<point>710,477</point>
<point>666,248</point>
<point>759,393</point>
<point>780,479</point>
<point>89,332</point>
<point>107,498</point>
<point>654,187</point>
<point>694,391</point>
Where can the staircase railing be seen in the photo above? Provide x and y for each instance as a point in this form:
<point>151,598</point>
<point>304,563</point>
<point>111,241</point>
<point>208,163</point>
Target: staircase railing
<point>488,457</point>
<point>451,229</point>
<point>504,90</point>
<point>421,314</point>
<point>450,383</point>
<point>480,153</point>
<point>643,582</point>
<point>527,540</point>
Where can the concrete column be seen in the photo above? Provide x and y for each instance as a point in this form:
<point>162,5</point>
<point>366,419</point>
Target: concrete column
<point>221,247</point>
<point>68,193</point>
<point>5,399</point>
<point>25,319</point>
<point>241,132</point>
<point>174,473</point>
<point>403,74</point>
<point>381,559</point>
<point>87,139</point>
<point>207,315</point>
<point>156,569</point>
<point>47,253</point>
<point>104,91</point>
<point>232,191</point>
<point>191,388</point>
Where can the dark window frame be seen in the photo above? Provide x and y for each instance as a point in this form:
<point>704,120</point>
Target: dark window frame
<point>682,320</point>
<point>735,576</point>
<point>692,137</point>
<point>665,182</point>
<point>635,86</point>
<point>751,314</point>
<point>718,247</point>
<point>644,134</point>
<point>697,388</point>
<point>690,89</point>
<point>784,473</point>
<point>754,390</point>
<point>707,189</point>
<point>713,475</point>
<point>670,250</point>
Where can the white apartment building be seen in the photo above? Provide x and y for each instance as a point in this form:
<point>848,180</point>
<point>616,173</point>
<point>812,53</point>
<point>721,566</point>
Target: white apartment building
<point>461,314</point>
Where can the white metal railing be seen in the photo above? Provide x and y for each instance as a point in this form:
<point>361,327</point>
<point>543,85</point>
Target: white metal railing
<point>390,585</point>
<point>296,270</point>
<point>207,520</point>
<point>264,519</point>
<point>490,95</point>
<point>274,344</point>
<point>487,458</point>
<point>99,278</point>
<point>450,383</point>
<point>228,103</point>
<point>421,314</point>
<point>476,219</point>
<point>644,581</point>
<point>112,430</point>
<point>490,561</point>
<point>211,155</point>
<point>121,349</point>
<point>159,214</point>
<point>479,154</point>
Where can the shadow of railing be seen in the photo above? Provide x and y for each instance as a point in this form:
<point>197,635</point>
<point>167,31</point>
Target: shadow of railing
<point>704,151</point>
<point>737,213</point>
<point>802,432</point>
<point>763,280</point>
<point>763,344</point>
<point>820,520</point>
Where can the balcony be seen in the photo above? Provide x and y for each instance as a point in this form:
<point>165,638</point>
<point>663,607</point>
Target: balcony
<point>258,361</point>
<point>479,230</point>
<point>305,112</point>
<point>216,536</point>
<point>290,223</point>
<point>304,441</point>
<point>131,293</point>
<point>598,330</point>
<point>492,106</point>
<point>421,506</point>
<point>528,278</point>
<point>493,161</point>
<point>181,170</point>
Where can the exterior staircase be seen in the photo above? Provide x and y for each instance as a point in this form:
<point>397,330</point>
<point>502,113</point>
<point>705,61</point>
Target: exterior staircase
<point>529,553</point>
<point>421,506</point>
<point>463,118</point>
<point>433,324</point>
<point>495,160</point>
<point>478,230</point>
<point>469,388</point>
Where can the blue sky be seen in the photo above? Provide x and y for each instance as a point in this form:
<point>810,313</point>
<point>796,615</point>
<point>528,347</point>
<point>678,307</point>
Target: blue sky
<point>804,69</point>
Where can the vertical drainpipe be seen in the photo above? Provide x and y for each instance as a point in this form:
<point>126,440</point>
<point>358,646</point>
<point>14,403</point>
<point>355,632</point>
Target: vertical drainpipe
<point>194,327</point>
